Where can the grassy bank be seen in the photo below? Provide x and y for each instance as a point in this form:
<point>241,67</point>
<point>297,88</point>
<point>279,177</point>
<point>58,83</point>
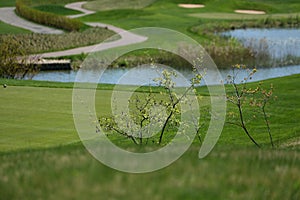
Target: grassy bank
<point>41,156</point>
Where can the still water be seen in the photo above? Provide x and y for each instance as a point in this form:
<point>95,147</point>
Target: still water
<point>146,74</point>
<point>279,43</point>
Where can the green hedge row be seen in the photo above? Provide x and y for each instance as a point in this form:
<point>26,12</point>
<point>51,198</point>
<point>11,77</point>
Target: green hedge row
<point>48,19</point>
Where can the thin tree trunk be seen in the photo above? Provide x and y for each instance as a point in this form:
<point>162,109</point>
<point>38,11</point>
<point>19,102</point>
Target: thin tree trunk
<point>244,126</point>
<point>268,126</point>
<point>164,127</point>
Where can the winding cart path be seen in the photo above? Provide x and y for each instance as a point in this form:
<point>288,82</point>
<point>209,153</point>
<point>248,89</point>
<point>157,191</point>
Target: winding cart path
<point>8,15</point>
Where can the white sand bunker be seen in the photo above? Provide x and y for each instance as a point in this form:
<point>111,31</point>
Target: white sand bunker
<point>191,5</point>
<point>251,12</point>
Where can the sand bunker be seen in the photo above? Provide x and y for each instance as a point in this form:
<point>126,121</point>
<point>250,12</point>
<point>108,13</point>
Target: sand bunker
<point>191,5</point>
<point>252,12</point>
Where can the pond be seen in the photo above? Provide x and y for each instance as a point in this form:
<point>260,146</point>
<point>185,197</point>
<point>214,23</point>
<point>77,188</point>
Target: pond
<point>279,43</point>
<point>146,74</point>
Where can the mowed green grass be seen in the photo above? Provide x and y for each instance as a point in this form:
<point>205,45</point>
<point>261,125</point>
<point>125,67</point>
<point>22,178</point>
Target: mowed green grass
<point>8,29</point>
<point>35,117</point>
<point>100,5</point>
<point>41,117</point>
<point>166,13</point>
<point>235,16</point>
<point>56,9</point>
<point>7,3</point>
<point>38,117</point>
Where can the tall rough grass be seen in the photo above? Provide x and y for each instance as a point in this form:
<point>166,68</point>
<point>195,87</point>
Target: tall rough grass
<point>38,43</point>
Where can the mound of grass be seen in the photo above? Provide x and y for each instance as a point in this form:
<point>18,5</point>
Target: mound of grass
<point>101,5</point>
<point>56,9</point>
<point>51,2</point>
<point>49,19</point>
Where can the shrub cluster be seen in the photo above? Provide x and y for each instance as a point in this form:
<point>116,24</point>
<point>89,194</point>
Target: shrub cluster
<point>48,19</point>
<point>14,62</point>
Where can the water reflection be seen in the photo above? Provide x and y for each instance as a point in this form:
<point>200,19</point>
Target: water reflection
<point>146,74</point>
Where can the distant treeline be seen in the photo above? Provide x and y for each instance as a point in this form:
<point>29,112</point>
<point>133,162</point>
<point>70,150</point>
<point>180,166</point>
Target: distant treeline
<point>48,19</point>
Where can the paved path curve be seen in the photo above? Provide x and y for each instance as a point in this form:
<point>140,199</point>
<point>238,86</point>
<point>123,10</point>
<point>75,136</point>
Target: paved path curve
<point>127,38</point>
<point>78,6</point>
<point>8,15</point>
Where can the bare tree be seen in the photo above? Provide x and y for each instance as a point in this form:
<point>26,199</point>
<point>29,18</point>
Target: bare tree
<point>147,120</point>
<point>242,95</point>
